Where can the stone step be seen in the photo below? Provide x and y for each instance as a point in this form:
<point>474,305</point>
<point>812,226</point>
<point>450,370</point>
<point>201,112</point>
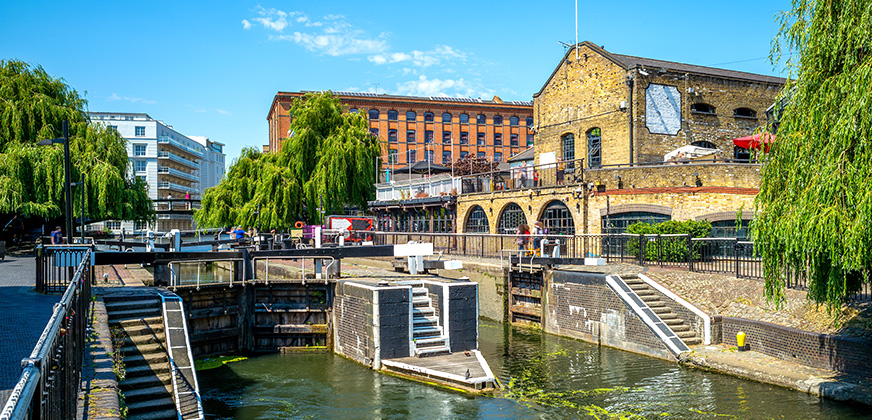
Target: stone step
<point>672,320</point>
<point>144,329</point>
<point>692,341</point>
<point>643,293</point>
<point>430,342</point>
<point>660,309</point>
<point>146,359</point>
<point>120,305</point>
<point>135,322</point>
<point>167,414</point>
<point>151,406</point>
<point>426,332</point>
<point>423,311</point>
<point>432,351</point>
<point>685,334</point>
<point>679,328</point>
<point>145,381</point>
<point>419,291</point>
<point>133,314</point>
<point>143,349</point>
<point>155,338</point>
<point>655,303</point>
<point>424,320</point>
<point>147,370</point>
<point>634,280</point>
<point>421,304</point>
<point>145,394</point>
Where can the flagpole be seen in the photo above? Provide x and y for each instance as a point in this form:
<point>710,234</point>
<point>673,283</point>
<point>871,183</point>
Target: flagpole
<point>576,30</point>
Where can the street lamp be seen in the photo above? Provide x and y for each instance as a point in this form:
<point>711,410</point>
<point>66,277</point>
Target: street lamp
<point>66,141</point>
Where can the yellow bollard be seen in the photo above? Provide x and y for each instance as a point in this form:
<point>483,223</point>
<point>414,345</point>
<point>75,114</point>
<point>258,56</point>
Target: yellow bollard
<point>740,340</point>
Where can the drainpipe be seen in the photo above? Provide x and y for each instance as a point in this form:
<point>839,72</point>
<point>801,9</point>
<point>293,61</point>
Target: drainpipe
<point>630,112</point>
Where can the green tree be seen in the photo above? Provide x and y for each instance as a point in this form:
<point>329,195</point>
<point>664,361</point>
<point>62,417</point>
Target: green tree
<point>33,105</point>
<point>329,158</point>
<point>814,210</point>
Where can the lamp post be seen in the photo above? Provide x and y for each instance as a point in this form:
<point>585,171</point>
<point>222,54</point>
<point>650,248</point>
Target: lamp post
<point>69,203</point>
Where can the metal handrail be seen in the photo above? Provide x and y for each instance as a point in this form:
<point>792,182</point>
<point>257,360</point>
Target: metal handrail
<point>174,366</point>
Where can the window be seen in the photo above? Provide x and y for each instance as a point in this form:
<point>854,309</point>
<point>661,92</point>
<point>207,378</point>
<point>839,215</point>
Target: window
<point>480,119</point>
<point>529,140</point>
<point>446,157</point>
<point>498,120</point>
<point>479,140</point>
<point>463,154</point>
<point>428,155</point>
<point>393,115</point>
<point>428,117</point>
<point>618,223</point>
<point>498,139</point>
<point>741,154</point>
<point>446,117</point>
<point>410,136</point>
<point>702,109</point>
<point>480,155</point>
<point>352,110</point>
<point>112,224</point>
<point>744,113</point>
<point>139,149</point>
<point>374,131</point>
<point>558,219</point>
<point>464,137</point>
<point>373,114</point>
<point>140,165</point>
<point>594,151</point>
<point>411,116</point>
<point>477,221</point>
<point>113,127</point>
<point>704,144</point>
<point>514,121</point>
<point>413,156</point>
<point>446,137</point>
<point>568,141</point>
<point>498,157</point>
<point>464,118</point>
<point>140,131</point>
<point>513,139</point>
<point>529,121</point>
<point>393,156</point>
<point>428,136</point>
<point>392,135</point>
<point>511,217</point>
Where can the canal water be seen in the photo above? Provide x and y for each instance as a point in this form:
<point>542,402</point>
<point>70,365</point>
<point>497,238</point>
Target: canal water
<point>543,377</point>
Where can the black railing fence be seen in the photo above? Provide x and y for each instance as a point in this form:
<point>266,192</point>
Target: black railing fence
<point>51,377</point>
<point>705,255</point>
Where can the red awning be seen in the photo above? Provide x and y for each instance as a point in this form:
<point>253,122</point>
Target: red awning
<point>755,141</point>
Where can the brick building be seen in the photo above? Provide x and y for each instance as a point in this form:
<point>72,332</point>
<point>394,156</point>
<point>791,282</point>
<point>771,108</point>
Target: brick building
<point>611,118</point>
<point>438,129</point>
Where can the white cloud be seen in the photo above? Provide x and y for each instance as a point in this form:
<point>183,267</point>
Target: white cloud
<point>422,86</point>
<point>246,24</point>
<point>116,97</point>
<point>332,36</point>
<point>441,53</point>
<point>222,112</point>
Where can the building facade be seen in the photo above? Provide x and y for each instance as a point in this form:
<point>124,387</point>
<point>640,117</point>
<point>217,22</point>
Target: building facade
<point>436,129</point>
<point>173,165</point>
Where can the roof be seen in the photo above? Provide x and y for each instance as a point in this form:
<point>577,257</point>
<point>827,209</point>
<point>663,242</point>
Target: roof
<point>629,62</point>
<point>526,155</point>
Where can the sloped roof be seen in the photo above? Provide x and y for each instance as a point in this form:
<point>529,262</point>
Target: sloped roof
<point>526,155</point>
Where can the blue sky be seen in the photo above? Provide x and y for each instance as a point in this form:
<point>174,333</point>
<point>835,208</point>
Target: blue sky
<point>212,68</point>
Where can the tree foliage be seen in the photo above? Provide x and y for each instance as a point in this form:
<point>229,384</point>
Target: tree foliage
<point>814,210</point>
<point>33,105</point>
<point>329,157</point>
<point>471,164</point>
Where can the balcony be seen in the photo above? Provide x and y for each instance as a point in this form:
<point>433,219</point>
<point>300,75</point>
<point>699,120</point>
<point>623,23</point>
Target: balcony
<point>163,154</point>
<point>164,185</point>
<point>164,140</point>
<point>166,170</point>
<point>435,186</point>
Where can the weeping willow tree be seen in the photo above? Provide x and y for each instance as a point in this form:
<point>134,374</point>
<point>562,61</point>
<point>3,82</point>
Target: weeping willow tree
<point>329,160</point>
<point>33,105</point>
<point>814,209</point>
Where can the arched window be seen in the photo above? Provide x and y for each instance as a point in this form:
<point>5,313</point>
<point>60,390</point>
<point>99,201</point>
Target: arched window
<point>514,120</point>
<point>741,154</point>
<point>557,219</point>
<point>594,149</point>
<point>464,118</point>
<point>373,114</point>
<point>618,223</point>
<point>411,116</point>
<point>498,120</point>
<point>729,229</point>
<point>529,121</point>
<point>428,117</point>
<point>481,119</point>
<point>568,141</point>
<point>704,144</point>
<point>446,117</point>
<point>702,108</point>
<point>511,217</point>
<point>477,221</point>
<point>352,110</point>
<point>744,113</point>
<point>393,115</point>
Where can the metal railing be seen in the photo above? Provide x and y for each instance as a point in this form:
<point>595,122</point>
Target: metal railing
<point>179,145</point>
<point>528,176</point>
<point>56,265</point>
<point>176,158</point>
<point>51,377</point>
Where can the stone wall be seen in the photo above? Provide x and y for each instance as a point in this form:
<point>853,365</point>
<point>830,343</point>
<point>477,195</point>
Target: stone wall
<point>353,323</point>
<point>581,305</point>
<point>824,351</point>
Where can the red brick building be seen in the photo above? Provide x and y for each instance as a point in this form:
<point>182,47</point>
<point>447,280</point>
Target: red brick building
<point>438,129</point>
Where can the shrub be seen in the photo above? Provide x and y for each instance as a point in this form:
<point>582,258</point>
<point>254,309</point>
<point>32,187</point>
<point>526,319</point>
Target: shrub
<point>667,249</point>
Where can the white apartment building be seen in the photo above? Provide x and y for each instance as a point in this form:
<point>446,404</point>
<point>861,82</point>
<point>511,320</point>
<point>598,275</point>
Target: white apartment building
<point>174,166</point>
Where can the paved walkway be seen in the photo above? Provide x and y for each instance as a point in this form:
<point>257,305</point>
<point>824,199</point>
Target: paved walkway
<point>23,314</point>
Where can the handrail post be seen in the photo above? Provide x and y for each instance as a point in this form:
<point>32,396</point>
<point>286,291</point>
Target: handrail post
<point>689,253</point>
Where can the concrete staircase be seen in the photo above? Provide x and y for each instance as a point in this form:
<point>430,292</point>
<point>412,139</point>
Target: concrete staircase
<point>147,386</point>
<point>652,299</point>
<point>426,331</point>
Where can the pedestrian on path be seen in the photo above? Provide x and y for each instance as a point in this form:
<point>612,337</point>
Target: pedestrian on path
<point>523,237</point>
<point>57,236</point>
<point>538,232</point>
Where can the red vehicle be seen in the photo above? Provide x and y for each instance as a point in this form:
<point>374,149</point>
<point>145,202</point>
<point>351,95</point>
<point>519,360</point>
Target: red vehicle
<point>353,223</point>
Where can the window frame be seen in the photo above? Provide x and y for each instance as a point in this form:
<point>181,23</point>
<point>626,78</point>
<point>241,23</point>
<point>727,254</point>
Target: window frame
<point>429,116</point>
<point>373,114</point>
<point>514,121</point>
<point>594,147</point>
<point>464,118</point>
<point>497,119</point>
<point>393,115</point>
<point>446,120</point>
<point>413,114</point>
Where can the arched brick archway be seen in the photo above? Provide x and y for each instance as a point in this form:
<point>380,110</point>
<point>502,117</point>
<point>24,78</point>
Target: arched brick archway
<point>510,218</point>
<point>557,218</point>
<point>476,221</point>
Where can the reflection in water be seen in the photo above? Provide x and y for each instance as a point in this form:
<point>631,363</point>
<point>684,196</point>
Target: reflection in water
<point>543,377</point>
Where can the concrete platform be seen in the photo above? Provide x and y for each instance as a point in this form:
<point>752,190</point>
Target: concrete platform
<point>449,369</point>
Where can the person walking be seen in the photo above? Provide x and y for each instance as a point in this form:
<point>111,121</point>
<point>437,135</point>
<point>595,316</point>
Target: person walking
<point>538,232</point>
<point>561,171</point>
<point>57,236</point>
<point>523,237</point>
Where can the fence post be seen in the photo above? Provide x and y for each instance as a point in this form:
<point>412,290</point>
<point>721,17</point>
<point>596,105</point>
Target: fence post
<point>736,258</point>
<point>689,253</point>
<point>641,249</point>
